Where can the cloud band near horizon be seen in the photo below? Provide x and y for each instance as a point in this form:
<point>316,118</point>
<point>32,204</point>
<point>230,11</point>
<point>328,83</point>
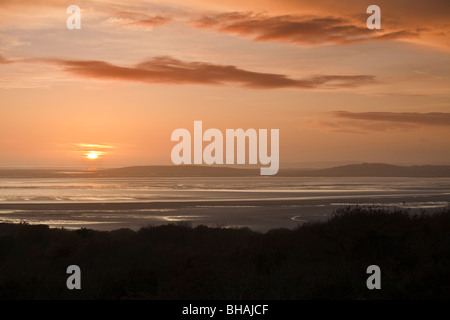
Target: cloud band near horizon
<point>430,118</point>
<point>370,122</point>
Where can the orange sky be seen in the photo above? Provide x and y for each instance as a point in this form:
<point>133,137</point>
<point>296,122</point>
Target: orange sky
<point>137,70</point>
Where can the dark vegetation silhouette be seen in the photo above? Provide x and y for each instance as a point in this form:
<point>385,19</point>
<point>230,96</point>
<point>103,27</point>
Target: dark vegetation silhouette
<point>324,260</point>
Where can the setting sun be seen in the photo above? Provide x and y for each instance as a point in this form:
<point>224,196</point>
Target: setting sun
<point>92,155</point>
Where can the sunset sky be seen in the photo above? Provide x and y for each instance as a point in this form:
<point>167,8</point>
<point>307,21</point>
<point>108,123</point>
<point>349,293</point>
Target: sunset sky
<point>138,70</point>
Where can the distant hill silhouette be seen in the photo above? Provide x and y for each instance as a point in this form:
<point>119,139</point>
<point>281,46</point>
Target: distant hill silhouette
<point>351,170</point>
<point>372,170</point>
<point>178,171</point>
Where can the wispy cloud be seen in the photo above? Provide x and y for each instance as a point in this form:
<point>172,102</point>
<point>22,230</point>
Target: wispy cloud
<point>137,19</point>
<point>367,122</point>
<point>3,60</point>
<point>422,119</point>
<point>91,150</point>
<point>94,146</point>
<point>168,70</point>
<point>310,30</point>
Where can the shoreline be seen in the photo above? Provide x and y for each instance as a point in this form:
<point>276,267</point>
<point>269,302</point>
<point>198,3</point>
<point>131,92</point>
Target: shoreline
<point>258,215</point>
<point>164,204</point>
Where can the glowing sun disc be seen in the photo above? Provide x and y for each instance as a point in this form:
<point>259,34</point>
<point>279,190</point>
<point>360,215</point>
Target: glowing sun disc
<point>92,155</point>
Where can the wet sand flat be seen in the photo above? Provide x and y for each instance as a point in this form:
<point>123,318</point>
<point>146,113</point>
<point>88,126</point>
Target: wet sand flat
<point>260,214</point>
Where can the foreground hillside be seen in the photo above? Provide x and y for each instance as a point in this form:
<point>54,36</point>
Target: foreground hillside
<point>325,260</point>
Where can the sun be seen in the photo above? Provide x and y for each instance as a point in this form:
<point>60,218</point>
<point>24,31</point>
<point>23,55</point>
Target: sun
<point>92,155</point>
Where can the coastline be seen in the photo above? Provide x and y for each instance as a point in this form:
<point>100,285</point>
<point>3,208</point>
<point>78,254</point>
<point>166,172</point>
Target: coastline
<point>258,215</point>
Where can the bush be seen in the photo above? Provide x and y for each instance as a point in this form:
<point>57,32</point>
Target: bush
<point>326,260</point>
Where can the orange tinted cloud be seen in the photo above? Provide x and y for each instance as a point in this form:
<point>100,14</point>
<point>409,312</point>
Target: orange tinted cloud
<point>34,2</point>
<point>416,118</point>
<point>126,18</point>
<point>167,70</point>
<point>367,122</point>
<point>4,60</point>
<point>95,146</point>
<point>296,29</point>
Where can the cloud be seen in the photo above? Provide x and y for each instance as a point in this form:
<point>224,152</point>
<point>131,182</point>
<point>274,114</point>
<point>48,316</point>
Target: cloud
<point>137,19</point>
<point>95,146</point>
<point>3,60</point>
<point>34,2</point>
<point>367,122</point>
<point>299,30</point>
<point>87,149</point>
<point>430,17</point>
<point>414,118</point>
<point>167,70</point>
